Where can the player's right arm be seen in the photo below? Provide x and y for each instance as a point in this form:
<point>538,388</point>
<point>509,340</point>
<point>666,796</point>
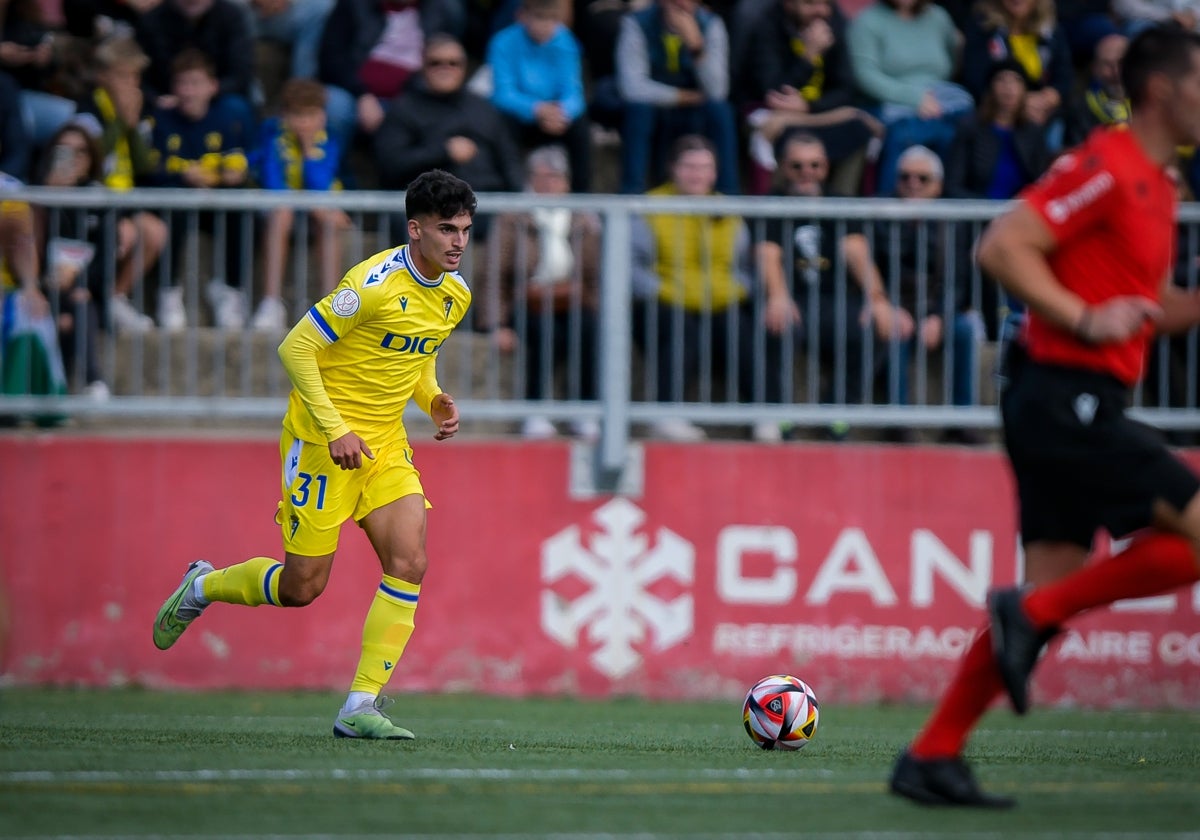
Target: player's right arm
<point>298,352</point>
<point>1015,250</point>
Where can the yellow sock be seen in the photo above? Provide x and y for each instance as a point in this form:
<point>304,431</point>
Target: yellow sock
<point>251,583</point>
<point>386,631</point>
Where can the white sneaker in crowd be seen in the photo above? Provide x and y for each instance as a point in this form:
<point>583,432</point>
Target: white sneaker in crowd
<point>680,431</point>
<point>588,430</point>
<point>228,306</point>
<point>126,318</point>
<point>172,317</point>
<point>767,431</point>
<point>97,391</point>
<point>270,317</point>
<point>538,428</point>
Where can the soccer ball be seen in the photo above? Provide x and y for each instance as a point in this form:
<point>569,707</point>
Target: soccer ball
<point>780,713</point>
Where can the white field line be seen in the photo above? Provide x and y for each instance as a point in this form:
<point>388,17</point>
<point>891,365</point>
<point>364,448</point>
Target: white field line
<point>285,721</point>
<point>827,835</point>
<point>410,773</point>
<point>734,779</point>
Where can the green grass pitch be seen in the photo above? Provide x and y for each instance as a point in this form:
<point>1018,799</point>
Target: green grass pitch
<point>205,765</point>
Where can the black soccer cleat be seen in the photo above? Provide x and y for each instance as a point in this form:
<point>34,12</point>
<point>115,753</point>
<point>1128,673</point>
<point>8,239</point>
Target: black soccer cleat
<point>1016,644</point>
<point>941,781</point>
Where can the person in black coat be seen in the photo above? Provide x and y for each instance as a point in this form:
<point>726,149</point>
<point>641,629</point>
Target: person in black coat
<point>437,123</point>
<point>359,82</point>
<point>15,147</point>
<point>995,154</point>
<point>221,29</point>
<point>997,151</point>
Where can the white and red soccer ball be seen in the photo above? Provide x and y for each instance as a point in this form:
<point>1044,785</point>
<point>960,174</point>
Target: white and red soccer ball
<point>780,713</point>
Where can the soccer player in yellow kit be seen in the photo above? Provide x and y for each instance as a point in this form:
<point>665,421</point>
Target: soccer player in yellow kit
<point>355,360</point>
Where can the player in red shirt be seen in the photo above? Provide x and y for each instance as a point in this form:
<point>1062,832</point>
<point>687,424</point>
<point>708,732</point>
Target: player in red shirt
<point>1088,250</point>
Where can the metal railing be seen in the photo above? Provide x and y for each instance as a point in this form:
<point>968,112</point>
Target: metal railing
<point>203,372</point>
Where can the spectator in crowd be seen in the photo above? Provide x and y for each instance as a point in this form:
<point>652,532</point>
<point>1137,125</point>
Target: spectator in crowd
<point>1085,23</point>
<point>298,154</point>
<point>996,153</point>
<point>673,78</point>
<point>369,51</point>
<point>814,258</point>
<point>18,253</point>
<point>596,25</point>
<point>537,75</point>
<point>30,362</point>
<point>1136,15</point>
<point>15,147</point>
<point>1166,381</point>
<point>1027,31</point>
<point>1101,100</point>
<point>904,53</point>
<point>692,279</point>
<point>998,150</point>
<point>97,20</point>
<point>29,53</point>
<point>798,78</point>
<point>221,29</point>
<point>438,123</point>
<point>927,264</point>
<point>76,252</point>
<point>297,25</point>
<point>200,143</point>
<point>539,294</point>
<point>114,112</point>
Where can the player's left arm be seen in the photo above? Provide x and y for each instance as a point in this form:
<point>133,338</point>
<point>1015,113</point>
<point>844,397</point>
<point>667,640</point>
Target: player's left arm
<point>435,402</point>
<point>1180,307</point>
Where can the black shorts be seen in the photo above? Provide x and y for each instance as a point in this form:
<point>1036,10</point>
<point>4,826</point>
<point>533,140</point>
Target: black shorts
<point>1080,462</point>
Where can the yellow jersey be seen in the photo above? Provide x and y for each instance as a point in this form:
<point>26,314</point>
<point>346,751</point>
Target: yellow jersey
<point>368,347</point>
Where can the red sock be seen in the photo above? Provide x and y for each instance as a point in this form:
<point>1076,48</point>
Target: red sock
<point>1151,565</point>
<point>962,704</point>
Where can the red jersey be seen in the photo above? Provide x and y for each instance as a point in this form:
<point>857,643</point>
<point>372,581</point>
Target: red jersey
<point>1112,213</point>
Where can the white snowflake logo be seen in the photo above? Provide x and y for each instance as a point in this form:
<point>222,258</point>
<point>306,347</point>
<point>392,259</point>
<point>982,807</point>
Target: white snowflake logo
<point>618,566</point>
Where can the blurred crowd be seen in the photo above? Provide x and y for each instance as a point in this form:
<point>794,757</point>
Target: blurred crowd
<point>906,98</point>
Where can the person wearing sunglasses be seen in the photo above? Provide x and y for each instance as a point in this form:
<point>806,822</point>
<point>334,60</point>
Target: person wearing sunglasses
<point>817,271</point>
<point>926,263</point>
<point>438,122</point>
<point>371,52</point>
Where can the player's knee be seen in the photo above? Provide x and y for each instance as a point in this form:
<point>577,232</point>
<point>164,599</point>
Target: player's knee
<point>409,568</point>
<point>299,594</point>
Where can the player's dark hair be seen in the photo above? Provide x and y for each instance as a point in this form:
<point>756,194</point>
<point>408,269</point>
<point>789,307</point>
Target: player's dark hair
<point>1159,49</point>
<point>440,194</point>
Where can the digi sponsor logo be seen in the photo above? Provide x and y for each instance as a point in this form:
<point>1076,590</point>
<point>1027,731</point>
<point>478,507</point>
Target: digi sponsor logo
<point>618,566</point>
<point>1058,210</point>
<point>345,303</point>
<point>421,345</point>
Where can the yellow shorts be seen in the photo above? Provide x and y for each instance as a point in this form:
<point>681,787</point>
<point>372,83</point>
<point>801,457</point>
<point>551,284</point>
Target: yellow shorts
<point>318,496</point>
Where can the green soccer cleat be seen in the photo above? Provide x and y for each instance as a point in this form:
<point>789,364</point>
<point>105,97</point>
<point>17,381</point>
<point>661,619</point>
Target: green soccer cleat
<point>368,721</point>
<point>180,609</point>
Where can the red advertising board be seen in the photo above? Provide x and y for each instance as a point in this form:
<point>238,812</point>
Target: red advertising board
<point>861,569</point>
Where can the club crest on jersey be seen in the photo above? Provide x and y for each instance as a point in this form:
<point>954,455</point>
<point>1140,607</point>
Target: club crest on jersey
<point>403,303</point>
<point>345,303</point>
<point>447,305</point>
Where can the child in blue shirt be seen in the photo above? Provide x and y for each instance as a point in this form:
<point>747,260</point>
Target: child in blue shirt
<point>199,143</point>
<point>297,153</point>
